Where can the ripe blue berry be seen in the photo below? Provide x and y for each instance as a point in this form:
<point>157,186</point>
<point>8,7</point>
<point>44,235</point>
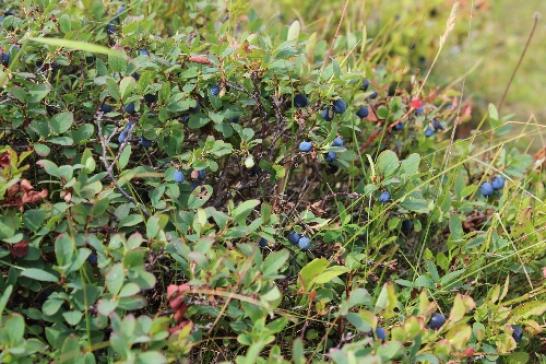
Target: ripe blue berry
<point>498,183</point>
<point>419,111</point>
<point>111,28</point>
<point>201,174</point>
<point>437,125</point>
<point>122,137</point>
<point>362,112</point>
<point>399,126</point>
<point>92,259</point>
<point>262,243</point>
<point>293,237</point>
<point>150,98</point>
<point>106,108</point>
<point>381,333</point>
<point>5,58</point>
<point>340,106</point>
<point>517,332</point>
<point>178,176</point>
<point>327,114</point>
<point>429,132</point>
<point>436,321</point>
<point>384,197</point>
<point>407,226</point>
<point>373,95</point>
<point>304,243</point>
<point>185,118</point>
<point>486,189</point>
<point>365,85</point>
<point>143,52</point>
<point>305,146</point>
<point>300,100</point>
<point>145,143</point>
<point>130,108</point>
<point>215,90</point>
<point>330,157</point>
<point>338,142</point>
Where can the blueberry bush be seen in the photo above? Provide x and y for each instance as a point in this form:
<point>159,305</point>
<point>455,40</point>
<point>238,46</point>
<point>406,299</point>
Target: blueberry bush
<point>187,182</point>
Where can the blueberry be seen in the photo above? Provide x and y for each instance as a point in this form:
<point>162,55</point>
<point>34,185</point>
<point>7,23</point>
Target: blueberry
<point>92,259</point>
<point>327,114</point>
<point>384,197</point>
<point>429,132</point>
<point>362,112</point>
<point>130,108</point>
<point>145,143</point>
<point>150,98</point>
<point>122,137</point>
<point>262,243</point>
<point>373,95</point>
<point>201,174</point>
<point>293,237</point>
<point>215,90</point>
<point>330,157</point>
<point>305,146</point>
<point>436,321</point>
<point>120,10</point>
<point>365,85</point>
<point>381,333</point>
<point>392,89</point>
<point>419,111</point>
<point>340,106</point>
<point>407,226</point>
<point>5,58</point>
<point>498,183</point>
<point>486,189</point>
<point>338,142</point>
<point>111,28</point>
<point>304,243</point>
<point>178,176</point>
<point>106,108</point>
<point>300,100</point>
<point>143,52</point>
<point>399,126</point>
<point>185,118</point>
<point>517,332</point>
<point>437,125</point>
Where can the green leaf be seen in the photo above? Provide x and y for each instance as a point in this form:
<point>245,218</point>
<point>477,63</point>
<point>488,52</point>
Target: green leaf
<point>387,163</point>
<point>534,308</point>
<point>114,278</point>
<point>126,87</point>
<point>106,306</point>
<point>64,249</point>
<point>151,357</point>
<point>61,122</point>
<point>78,45</point>
<point>124,157</point>
<point>410,165</point>
<point>329,274</point>
<point>244,209</point>
<point>72,317</point>
<point>39,275</point>
<point>311,270</point>
<point>274,262</point>
<point>293,31</point>
<point>4,299</point>
<point>199,196</point>
<point>14,329</point>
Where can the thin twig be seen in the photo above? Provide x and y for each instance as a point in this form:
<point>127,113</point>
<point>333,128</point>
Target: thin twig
<point>104,158</point>
<point>520,61</point>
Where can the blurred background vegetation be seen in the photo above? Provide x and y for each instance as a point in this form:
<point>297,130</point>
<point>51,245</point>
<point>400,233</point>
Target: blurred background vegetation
<point>482,50</point>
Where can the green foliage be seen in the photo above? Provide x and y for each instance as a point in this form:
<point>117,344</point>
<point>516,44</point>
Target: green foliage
<point>143,215</point>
